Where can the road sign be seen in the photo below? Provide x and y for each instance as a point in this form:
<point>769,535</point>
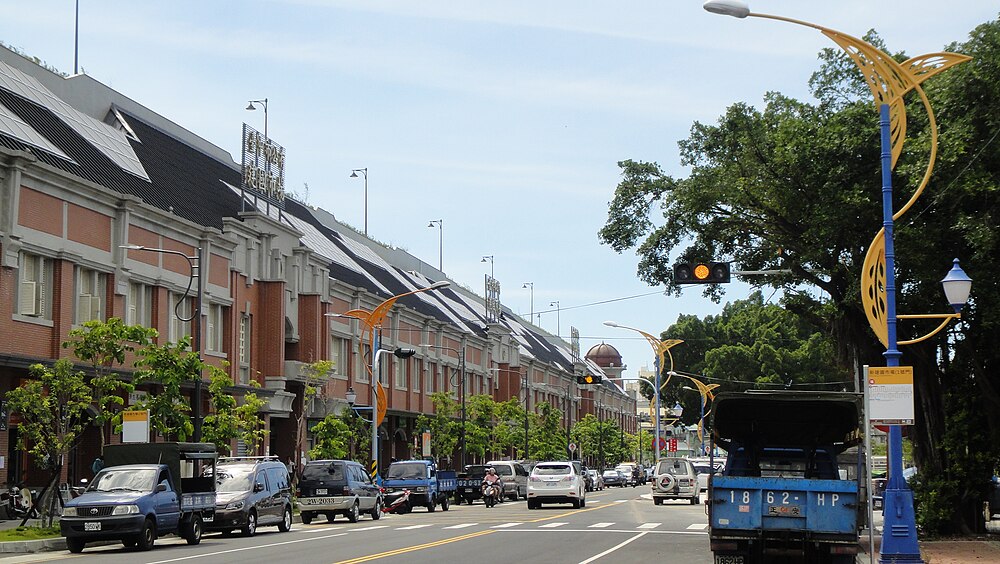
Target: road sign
<point>572,447</point>
<point>663,443</point>
<point>672,445</point>
<point>890,395</point>
<point>135,426</point>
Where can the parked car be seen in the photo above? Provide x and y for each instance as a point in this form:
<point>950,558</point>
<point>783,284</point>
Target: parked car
<point>514,477</point>
<point>556,482</point>
<point>705,470</point>
<point>596,479</point>
<point>251,491</point>
<point>613,478</point>
<point>631,478</point>
<point>675,478</point>
<point>338,487</point>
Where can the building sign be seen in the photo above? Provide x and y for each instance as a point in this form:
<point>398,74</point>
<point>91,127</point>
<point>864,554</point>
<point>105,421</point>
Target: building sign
<point>263,167</point>
<point>890,395</point>
<point>492,300</point>
<point>574,342</point>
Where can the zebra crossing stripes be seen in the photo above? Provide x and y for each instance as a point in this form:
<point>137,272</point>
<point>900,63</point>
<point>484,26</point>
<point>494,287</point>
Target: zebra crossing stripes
<point>649,525</point>
<point>461,526</point>
<point>698,527</point>
<point>600,525</point>
<point>551,525</point>
<point>411,527</point>
<point>505,525</point>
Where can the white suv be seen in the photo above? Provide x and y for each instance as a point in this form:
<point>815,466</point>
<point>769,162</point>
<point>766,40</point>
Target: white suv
<point>556,482</point>
<point>674,478</point>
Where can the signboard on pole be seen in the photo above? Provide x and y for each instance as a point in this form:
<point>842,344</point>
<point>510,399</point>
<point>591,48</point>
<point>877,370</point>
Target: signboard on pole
<point>426,439</point>
<point>135,426</point>
<point>890,395</point>
<point>572,447</point>
<point>672,445</point>
<point>662,443</point>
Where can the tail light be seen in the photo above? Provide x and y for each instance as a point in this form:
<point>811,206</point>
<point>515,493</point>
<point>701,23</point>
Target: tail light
<point>347,490</point>
<point>567,478</point>
<point>534,479</point>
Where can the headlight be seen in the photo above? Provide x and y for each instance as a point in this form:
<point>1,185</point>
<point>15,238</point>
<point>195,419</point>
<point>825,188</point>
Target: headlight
<point>236,504</point>
<point>420,489</point>
<point>69,512</point>
<point>125,510</point>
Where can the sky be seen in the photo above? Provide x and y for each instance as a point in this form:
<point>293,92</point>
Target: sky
<point>506,120</point>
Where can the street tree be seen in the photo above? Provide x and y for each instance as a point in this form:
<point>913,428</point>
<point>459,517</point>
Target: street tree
<point>167,369</point>
<point>316,375</point>
<point>332,439</point>
<point>232,417</point>
<point>105,346</point>
<point>51,407</point>
<point>445,430</point>
<point>547,438</point>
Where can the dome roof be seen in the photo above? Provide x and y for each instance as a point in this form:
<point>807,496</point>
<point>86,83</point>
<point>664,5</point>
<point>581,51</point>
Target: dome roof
<point>604,355</point>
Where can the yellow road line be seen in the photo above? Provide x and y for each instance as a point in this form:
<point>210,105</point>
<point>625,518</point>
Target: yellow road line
<point>399,551</point>
<point>574,512</point>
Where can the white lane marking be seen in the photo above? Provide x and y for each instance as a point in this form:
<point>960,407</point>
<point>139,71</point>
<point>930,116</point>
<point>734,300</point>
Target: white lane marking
<point>613,548</point>
<point>505,525</point>
<point>551,525</point>
<point>621,500</point>
<point>461,526</point>
<point>649,525</point>
<point>698,527</point>
<point>414,527</point>
<point>600,525</point>
<point>372,528</point>
<point>319,530</point>
<point>245,548</point>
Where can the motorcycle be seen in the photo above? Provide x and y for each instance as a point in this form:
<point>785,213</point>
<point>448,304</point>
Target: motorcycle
<point>492,492</point>
<point>16,502</point>
<point>397,502</point>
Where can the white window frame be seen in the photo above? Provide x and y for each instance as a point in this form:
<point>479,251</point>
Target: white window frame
<point>214,328</point>
<point>414,376</point>
<point>244,347</point>
<point>90,294</point>
<point>139,305</point>
<point>339,356</point>
<point>34,287</point>
<point>400,373</point>
<point>178,328</point>
<point>360,367</point>
<point>430,376</point>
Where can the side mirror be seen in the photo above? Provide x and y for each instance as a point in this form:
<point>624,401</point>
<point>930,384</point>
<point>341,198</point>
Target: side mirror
<point>160,488</point>
<point>258,487</point>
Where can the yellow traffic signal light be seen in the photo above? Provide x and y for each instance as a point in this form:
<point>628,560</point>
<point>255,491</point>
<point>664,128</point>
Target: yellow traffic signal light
<point>701,273</point>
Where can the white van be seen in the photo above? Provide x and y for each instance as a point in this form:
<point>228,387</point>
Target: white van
<point>514,477</point>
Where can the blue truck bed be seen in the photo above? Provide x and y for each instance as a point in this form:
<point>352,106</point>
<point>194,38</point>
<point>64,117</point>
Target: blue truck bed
<point>784,504</point>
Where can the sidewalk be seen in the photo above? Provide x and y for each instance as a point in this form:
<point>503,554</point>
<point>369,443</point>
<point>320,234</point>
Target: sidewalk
<point>972,550</point>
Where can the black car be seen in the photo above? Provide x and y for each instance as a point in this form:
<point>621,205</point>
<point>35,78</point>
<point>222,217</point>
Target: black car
<point>332,487</point>
<point>251,492</point>
<point>469,483</point>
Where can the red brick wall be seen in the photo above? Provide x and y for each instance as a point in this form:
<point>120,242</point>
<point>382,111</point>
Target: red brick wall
<point>218,270</point>
<point>312,330</point>
<point>89,227</point>
<point>269,328</point>
<point>172,262</point>
<point>40,211</point>
<point>146,238</point>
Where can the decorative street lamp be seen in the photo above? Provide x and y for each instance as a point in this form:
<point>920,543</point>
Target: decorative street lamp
<point>440,225</point>
<point>372,325</point>
<point>194,263</point>
<point>889,81</point>
<point>354,174</point>
<point>263,102</point>
<point>531,300</point>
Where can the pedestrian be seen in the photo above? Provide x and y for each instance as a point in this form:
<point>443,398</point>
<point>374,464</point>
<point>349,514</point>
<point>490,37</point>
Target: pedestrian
<point>97,464</point>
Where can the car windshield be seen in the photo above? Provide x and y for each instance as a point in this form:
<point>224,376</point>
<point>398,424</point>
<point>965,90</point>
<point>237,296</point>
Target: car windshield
<point>612,473</point>
<point>323,471</point>
<point>503,470</point>
<point>703,469</point>
<point>551,469</point>
<point>112,480</point>
<point>235,479</point>
<point>672,467</point>
<point>407,471</point>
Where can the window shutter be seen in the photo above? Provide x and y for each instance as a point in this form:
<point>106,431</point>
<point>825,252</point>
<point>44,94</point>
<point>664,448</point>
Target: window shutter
<point>83,308</point>
<point>95,308</point>
<point>26,298</point>
<point>42,288</point>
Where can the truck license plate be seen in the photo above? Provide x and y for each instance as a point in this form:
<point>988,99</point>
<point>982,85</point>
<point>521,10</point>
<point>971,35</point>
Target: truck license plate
<point>784,511</point>
<point>92,526</point>
<point>320,491</point>
<point>208,518</point>
<point>728,559</point>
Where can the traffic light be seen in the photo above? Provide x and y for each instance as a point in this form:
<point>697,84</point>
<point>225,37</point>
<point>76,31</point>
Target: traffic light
<point>588,379</point>
<point>701,273</point>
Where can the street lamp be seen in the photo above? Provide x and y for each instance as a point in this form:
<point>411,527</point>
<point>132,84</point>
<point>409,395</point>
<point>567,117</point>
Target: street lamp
<point>440,226</point>
<point>489,259</point>
<point>194,263</point>
<point>251,107</point>
<point>558,324</point>
<point>364,172</point>
<point>659,348</point>
<point>461,388</point>
<point>888,81</point>
<point>701,420</point>
<point>531,299</point>
<point>372,325</point>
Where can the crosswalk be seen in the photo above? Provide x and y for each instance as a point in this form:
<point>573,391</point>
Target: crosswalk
<point>693,528</point>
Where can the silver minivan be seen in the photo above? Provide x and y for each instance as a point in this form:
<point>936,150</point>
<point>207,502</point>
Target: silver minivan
<point>514,477</point>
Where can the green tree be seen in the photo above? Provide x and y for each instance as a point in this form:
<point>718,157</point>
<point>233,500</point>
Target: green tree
<point>168,368</point>
<point>51,407</point>
<point>316,374</point>
<point>547,439</point>
<point>332,439</point>
<point>230,418</point>
<point>445,430</point>
<point>359,436</point>
<point>104,345</point>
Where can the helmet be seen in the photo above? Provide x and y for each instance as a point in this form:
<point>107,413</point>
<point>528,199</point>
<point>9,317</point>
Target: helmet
<point>491,470</point>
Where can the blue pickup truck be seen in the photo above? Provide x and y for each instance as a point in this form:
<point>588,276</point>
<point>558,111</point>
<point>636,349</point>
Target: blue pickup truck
<point>143,492</point>
<point>428,486</point>
<point>790,485</point>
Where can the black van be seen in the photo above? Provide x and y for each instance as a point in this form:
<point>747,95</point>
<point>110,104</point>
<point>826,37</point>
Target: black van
<point>334,487</point>
<point>251,491</point>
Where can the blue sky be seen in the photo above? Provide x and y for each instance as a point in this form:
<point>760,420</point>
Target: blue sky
<point>504,119</point>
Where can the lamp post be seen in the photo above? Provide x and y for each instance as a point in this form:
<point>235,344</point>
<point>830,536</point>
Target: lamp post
<point>489,259</point>
<point>660,347</point>
<point>461,389</point>
<point>531,299</point>
<point>354,174</point>
<point>527,391</point>
<point>194,263</point>
<point>621,428</point>
<point>372,322</point>
<point>251,107</point>
<point>888,81</point>
<point>558,324</point>
<point>701,421</point>
<point>440,226</point>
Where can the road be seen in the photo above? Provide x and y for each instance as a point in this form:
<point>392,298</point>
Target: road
<point>617,525</point>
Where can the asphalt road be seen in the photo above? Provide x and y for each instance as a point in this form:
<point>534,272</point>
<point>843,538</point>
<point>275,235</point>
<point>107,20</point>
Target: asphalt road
<point>617,525</point>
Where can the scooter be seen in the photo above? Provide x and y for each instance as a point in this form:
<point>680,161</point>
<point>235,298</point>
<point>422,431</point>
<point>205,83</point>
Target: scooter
<point>492,492</point>
<point>397,502</point>
<point>16,502</point>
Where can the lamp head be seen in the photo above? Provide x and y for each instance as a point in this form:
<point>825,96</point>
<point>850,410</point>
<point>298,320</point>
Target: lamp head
<point>431,224</point>
<point>526,284</point>
<point>487,258</point>
<point>957,286</point>
<point>733,8</point>
<point>612,324</point>
<point>404,353</point>
<point>251,107</point>
<point>354,174</point>
<point>438,285</point>
<point>350,396</point>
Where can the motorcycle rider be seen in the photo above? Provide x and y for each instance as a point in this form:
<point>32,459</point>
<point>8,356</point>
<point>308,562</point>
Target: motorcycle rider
<point>491,480</point>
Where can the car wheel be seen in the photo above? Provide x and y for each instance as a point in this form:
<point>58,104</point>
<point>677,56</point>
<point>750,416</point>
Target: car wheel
<point>147,536</point>
<point>657,501</point>
<point>250,529</point>
<point>128,542</point>
<point>377,510</point>
<point>430,506</point>
<point>194,530</point>
<point>286,520</point>
<point>694,500</point>
<point>583,502</point>
<point>75,545</point>
<point>330,517</point>
<point>532,504</point>
<point>444,504</point>
<point>469,500</point>
<point>576,504</point>
<point>352,513</point>
<point>306,517</point>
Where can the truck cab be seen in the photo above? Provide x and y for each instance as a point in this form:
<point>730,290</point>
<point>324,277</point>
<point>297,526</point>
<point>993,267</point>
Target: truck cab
<point>428,486</point>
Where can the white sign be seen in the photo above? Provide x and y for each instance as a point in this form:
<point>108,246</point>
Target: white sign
<point>136,397</point>
<point>135,426</point>
<point>890,395</point>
